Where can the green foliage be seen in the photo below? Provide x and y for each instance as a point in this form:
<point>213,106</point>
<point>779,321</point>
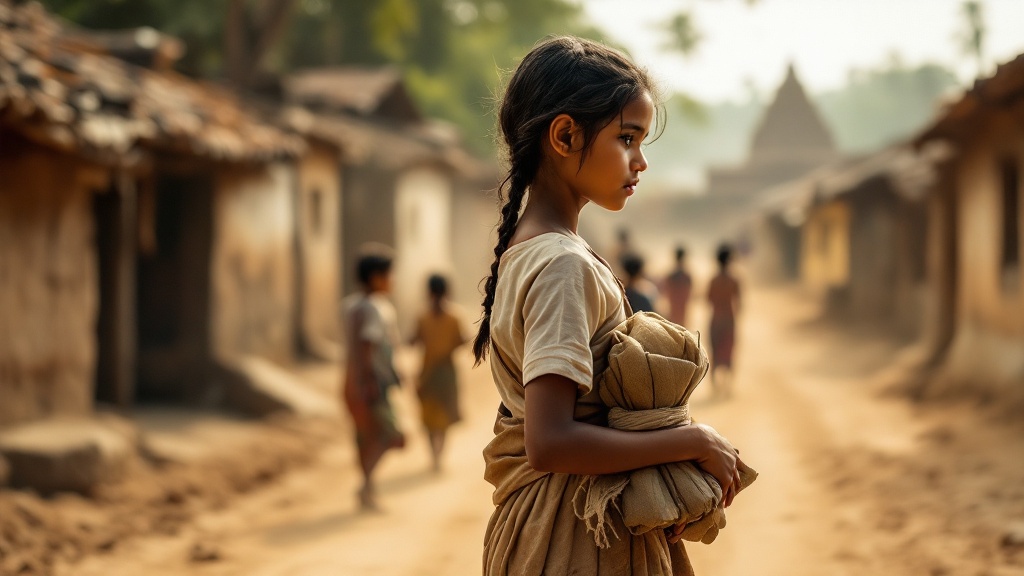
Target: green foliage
<point>684,37</point>
<point>451,51</point>
<point>973,33</point>
<point>883,105</point>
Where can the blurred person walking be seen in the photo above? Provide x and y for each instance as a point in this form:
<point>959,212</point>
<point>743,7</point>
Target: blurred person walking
<point>440,333</point>
<point>677,287</point>
<point>639,291</point>
<point>724,297</point>
<point>371,334</point>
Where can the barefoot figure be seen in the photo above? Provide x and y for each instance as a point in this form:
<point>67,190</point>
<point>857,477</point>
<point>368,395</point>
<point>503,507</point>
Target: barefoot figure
<point>371,333</point>
<point>439,332</point>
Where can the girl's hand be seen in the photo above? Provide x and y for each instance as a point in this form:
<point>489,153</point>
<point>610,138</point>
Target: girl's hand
<point>720,460</point>
<point>675,533</point>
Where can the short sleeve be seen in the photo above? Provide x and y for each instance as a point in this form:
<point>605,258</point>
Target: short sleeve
<point>372,329</point>
<point>561,313</point>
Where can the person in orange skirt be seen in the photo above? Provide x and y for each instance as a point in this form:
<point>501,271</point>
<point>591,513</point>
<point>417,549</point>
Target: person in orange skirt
<point>439,332</point>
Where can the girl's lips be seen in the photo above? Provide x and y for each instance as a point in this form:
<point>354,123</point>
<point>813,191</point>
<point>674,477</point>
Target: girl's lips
<point>630,188</point>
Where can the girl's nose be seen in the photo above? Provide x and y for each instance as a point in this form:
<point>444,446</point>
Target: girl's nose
<point>639,162</point>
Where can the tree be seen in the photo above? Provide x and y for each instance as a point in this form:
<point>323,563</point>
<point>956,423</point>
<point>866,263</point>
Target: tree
<point>972,36</point>
<point>683,34</point>
<point>251,30</point>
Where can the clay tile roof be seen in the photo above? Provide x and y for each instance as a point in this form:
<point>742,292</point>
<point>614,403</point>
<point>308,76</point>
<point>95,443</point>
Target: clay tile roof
<point>362,91</point>
<point>392,147</point>
<point>909,173</point>
<point>61,93</point>
<point>1003,88</point>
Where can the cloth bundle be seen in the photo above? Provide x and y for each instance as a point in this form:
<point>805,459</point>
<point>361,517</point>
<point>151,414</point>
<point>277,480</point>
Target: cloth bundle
<point>653,368</point>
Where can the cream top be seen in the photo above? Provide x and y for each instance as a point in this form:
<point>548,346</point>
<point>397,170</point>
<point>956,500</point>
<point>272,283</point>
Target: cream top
<point>554,307</point>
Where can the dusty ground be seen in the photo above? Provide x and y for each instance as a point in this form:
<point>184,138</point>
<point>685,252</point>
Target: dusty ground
<point>854,480</point>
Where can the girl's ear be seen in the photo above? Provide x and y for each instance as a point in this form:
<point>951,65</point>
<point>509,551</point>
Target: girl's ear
<point>560,134</point>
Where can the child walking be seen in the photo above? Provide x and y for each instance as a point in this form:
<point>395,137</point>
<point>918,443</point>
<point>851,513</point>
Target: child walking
<point>677,286</point>
<point>371,333</point>
<point>440,333</point>
<point>573,117</point>
<point>724,297</point>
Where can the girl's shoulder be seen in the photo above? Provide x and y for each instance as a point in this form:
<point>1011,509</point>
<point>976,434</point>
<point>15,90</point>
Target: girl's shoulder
<point>548,247</point>
<point>554,263</point>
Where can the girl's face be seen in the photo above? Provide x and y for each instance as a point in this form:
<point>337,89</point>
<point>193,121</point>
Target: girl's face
<point>613,164</point>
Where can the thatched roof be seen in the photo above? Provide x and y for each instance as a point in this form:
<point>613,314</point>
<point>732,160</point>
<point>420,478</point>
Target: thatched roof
<point>56,90</point>
<point>907,172</point>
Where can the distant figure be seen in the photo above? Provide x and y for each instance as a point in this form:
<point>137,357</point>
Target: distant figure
<point>371,334</point>
<point>638,294</point>
<point>677,287</point>
<point>623,248</point>
<point>439,332</point>
<point>724,296</point>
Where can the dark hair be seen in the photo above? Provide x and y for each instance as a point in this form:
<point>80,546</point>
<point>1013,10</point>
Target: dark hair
<point>633,264</point>
<point>680,253</point>
<point>437,285</point>
<point>590,82</point>
<point>724,254</point>
<point>373,259</point>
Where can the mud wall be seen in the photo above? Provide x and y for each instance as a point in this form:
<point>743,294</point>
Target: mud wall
<point>252,263</point>
<point>318,217</point>
<point>825,247</point>
<point>48,283</point>
<point>987,351</point>
<point>423,239</point>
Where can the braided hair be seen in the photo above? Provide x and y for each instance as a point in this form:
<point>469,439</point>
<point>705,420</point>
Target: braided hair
<point>590,82</point>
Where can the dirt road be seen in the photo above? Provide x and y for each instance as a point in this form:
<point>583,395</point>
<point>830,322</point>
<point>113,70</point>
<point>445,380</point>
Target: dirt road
<point>851,481</point>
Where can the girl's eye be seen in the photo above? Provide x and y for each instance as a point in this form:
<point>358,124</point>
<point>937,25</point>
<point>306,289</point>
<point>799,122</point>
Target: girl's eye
<point>628,139</point>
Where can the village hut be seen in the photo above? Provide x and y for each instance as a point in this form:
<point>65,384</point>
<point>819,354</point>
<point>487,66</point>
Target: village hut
<point>405,182</point>
<point>863,239</point>
<point>853,232</point>
<point>146,227</point>
<point>975,245</point>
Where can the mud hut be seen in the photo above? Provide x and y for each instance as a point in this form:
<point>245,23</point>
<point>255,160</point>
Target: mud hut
<point>402,182</point>
<point>146,224</point>
<point>976,245</point>
<point>863,239</point>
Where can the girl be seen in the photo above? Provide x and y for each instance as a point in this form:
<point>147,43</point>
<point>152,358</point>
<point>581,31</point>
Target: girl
<point>439,332</point>
<point>573,117</point>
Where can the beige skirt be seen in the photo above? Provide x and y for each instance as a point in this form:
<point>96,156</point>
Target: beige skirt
<point>535,532</point>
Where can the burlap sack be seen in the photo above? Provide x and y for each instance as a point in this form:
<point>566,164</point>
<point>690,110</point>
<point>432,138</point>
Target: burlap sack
<point>653,368</point>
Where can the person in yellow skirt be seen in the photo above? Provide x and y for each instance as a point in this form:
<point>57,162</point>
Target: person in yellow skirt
<point>439,332</point>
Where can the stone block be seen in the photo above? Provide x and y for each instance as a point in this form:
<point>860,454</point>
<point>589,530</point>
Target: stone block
<point>65,455</point>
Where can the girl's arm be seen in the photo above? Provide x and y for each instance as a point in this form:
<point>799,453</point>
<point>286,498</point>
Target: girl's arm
<point>556,442</point>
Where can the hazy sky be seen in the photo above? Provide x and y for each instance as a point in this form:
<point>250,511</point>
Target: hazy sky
<point>825,39</point>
